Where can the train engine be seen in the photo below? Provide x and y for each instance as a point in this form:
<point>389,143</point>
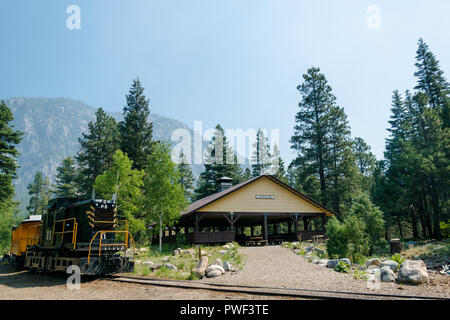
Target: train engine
<point>83,233</point>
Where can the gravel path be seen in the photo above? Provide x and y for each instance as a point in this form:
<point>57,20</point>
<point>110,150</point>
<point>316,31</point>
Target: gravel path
<point>275,266</point>
<point>15,284</point>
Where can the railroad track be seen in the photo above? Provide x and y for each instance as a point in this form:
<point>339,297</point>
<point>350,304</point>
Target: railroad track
<point>265,291</point>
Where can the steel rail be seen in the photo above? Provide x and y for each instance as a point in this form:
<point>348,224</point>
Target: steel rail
<point>260,290</point>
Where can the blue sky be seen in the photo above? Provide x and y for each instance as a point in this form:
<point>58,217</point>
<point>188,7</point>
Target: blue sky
<point>233,62</point>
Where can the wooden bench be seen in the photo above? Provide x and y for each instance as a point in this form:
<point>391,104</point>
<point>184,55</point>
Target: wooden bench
<point>256,241</point>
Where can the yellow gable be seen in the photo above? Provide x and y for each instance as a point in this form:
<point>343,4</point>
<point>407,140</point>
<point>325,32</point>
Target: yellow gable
<point>262,195</point>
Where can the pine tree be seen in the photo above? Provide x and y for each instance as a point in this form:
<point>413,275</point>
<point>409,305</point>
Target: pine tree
<point>186,178</point>
<point>39,191</point>
<point>219,158</point>
<point>9,138</point>
<point>66,179</point>
<point>312,122</point>
<point>261,155</point>
<point>365,161</point>
<point>135,130</point>
<point>431,81</point>
<point>342,164</point>
<point>98,147</point>
<point>278,169</point>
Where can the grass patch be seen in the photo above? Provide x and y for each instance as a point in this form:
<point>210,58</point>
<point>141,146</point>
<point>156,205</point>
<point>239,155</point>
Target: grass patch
<point>184,262</point>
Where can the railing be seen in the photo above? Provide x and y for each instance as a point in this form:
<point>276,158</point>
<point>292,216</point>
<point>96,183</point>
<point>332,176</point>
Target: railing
<point>63,232</point>
<point>104,232</point>
<point>210,237</point>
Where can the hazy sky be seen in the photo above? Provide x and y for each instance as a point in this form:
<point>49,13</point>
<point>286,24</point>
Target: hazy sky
<point>233,62</point>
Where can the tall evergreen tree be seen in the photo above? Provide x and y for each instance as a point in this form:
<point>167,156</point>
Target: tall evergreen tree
<point>9,138</point>
<point>66,179</point>
<point>278,169</point>
<point>311,123</point>
<point>135,130</point>
<point>98,147</point>
<point>261,157</point>
<point>219,158</point>
<point>342,171</point>
<point>325,162</point>
<point>365,161</point>
<point>431,81</point>
<point>186,178</point>
<point>39,191</point>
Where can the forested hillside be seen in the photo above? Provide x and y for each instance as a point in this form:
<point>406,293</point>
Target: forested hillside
<point>51,129</point>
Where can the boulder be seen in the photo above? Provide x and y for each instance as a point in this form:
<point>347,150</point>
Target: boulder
<point>170,266</point>
<point>319,251</point>
<point>322,261</point>
<point>386,274</point>
<point>200,269</point>
<point>218,261</point>
<point>413,272</point>
<point>226,246</point>
<point>373,262</point>
<point>213,273</point>
<point>215,267</point>
<point>332,263</point>
<point>227,266</point>
<point>390,263</point>
<point>176,252</point>
<point>189,251</point>
<point>309,249</point>
<point>373,270</point>
<point>165,259</point>
<point>147,263</point>
<point>156,266</point>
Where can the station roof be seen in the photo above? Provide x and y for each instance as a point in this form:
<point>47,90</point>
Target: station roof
<point>199,204</point>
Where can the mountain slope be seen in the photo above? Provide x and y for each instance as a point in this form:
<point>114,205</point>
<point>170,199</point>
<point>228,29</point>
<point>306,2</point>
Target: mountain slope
<point>51,129</point>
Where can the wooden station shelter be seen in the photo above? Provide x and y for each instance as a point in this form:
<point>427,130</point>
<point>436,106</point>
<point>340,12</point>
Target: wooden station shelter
<point>257,203</point>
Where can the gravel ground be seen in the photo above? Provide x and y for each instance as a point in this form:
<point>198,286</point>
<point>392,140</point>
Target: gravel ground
<point>275,266</point>
<point>16,285</point>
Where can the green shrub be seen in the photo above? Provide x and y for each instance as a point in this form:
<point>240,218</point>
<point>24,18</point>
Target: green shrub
<point>337,243</point>
<point>360,274</point>
<point>341,267</point>
<point>181,239</point>
<point>357,237</point>
<point>398,258</point>
<point>380,248</point>
<point>445,229</point>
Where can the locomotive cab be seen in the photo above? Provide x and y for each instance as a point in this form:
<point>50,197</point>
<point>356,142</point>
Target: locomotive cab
<point>84,233</point>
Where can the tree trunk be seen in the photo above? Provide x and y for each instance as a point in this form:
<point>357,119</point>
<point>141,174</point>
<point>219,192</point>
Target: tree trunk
<point>400,227</point>
<point>160,234</point>
<point>436,211</point>
<point>414,223</point>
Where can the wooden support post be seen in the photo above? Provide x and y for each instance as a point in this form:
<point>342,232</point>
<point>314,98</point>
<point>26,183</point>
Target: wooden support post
<point>265,234</point>
<point>289,226</point>
<point>296,226</point>
<point>252,230</point>
<point>275,228</point>
<point>196,227</point>
<point>323,223</point>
